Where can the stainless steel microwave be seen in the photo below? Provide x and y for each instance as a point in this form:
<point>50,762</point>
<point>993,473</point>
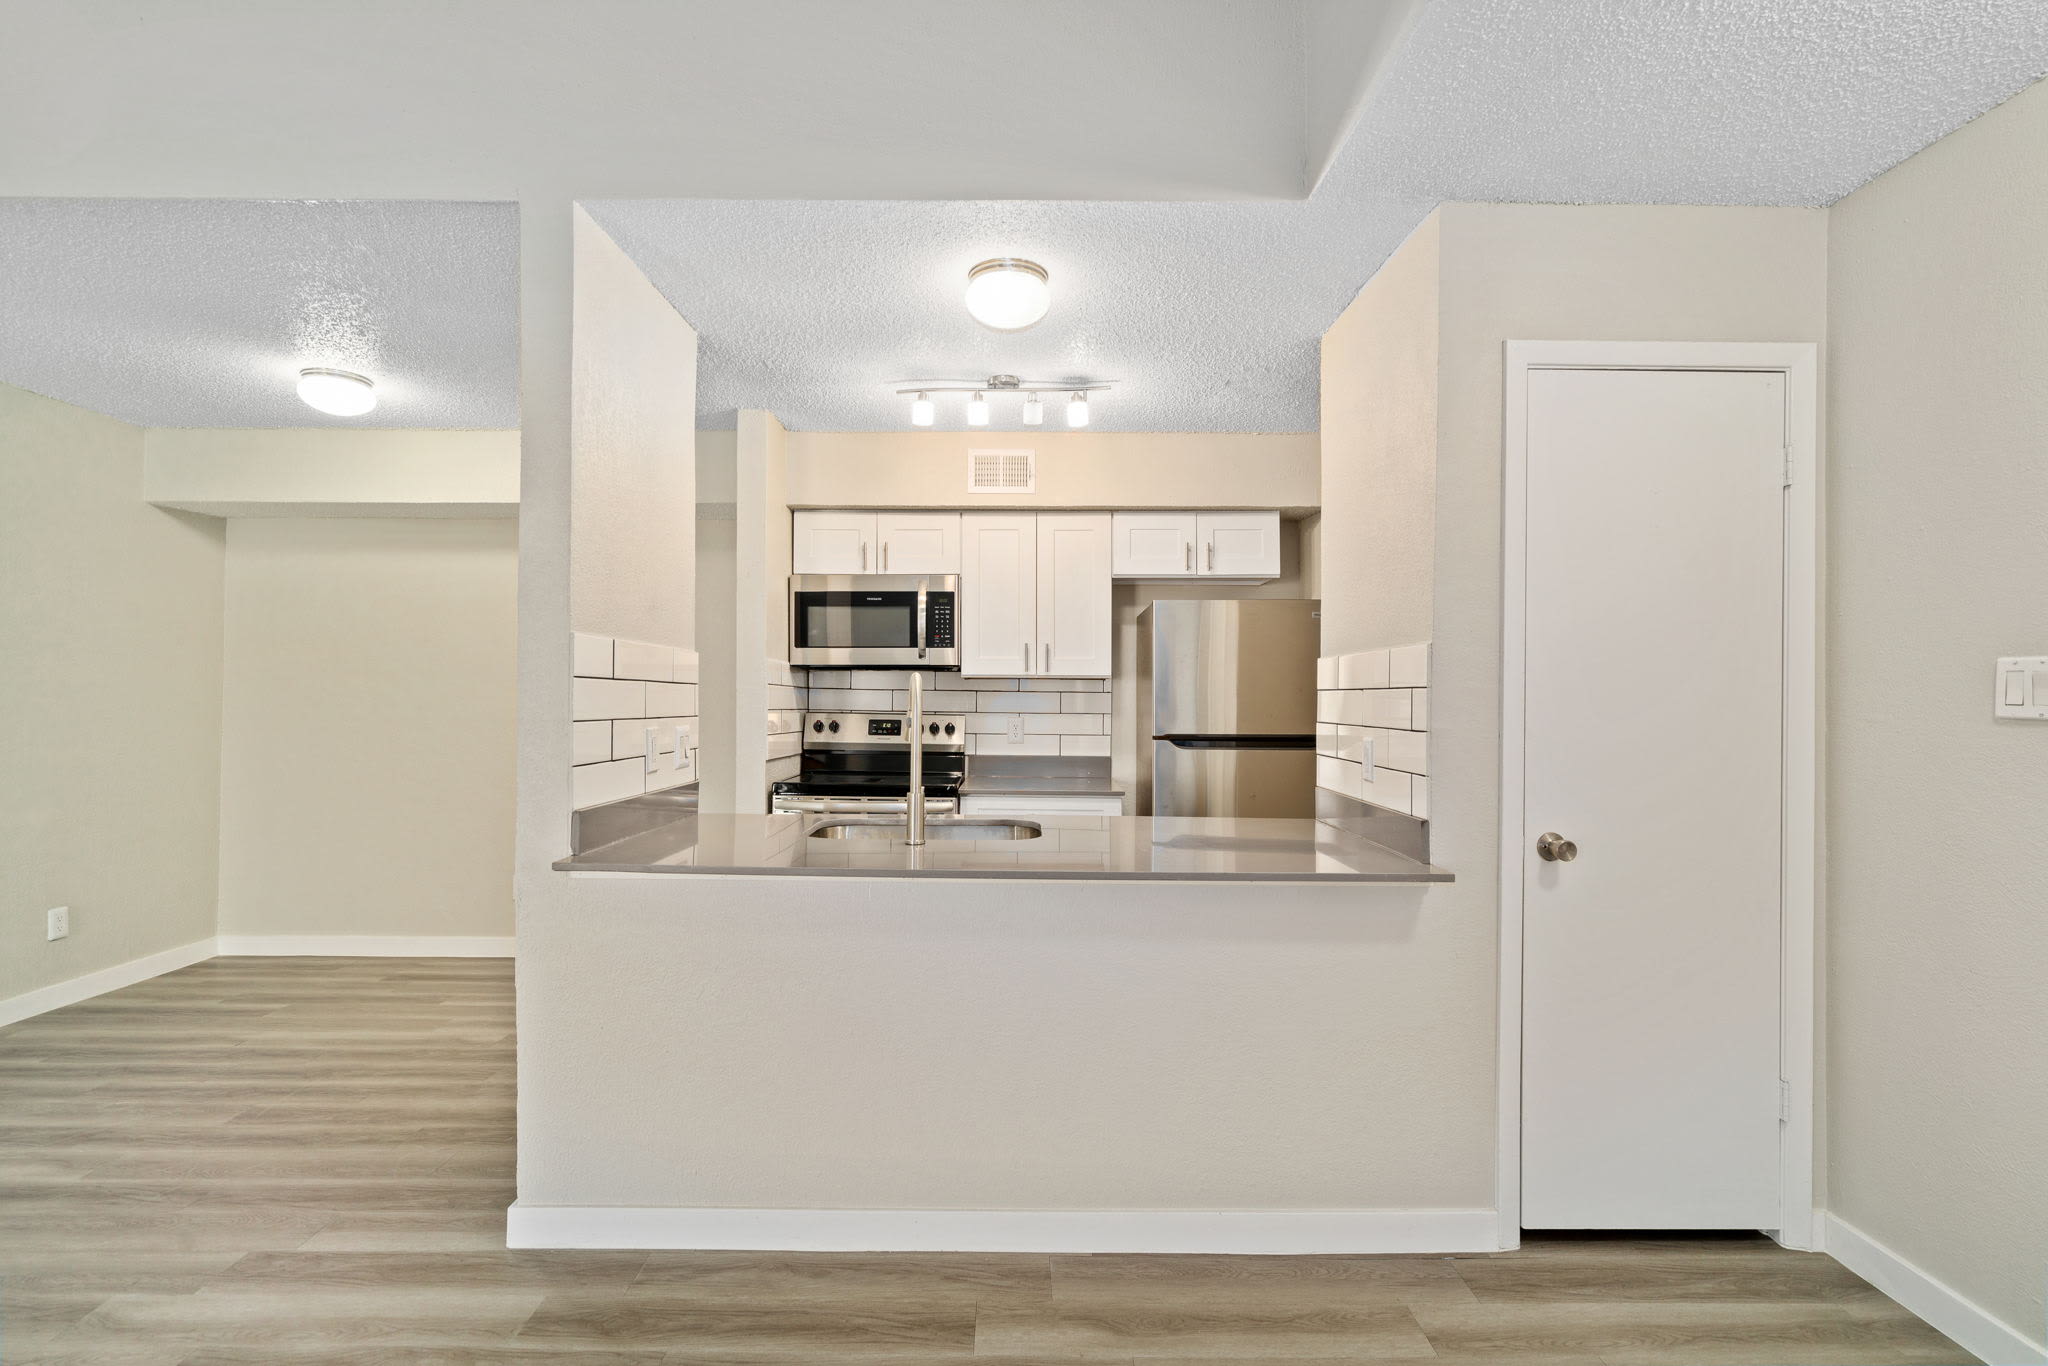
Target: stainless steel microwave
<point>874,621</point>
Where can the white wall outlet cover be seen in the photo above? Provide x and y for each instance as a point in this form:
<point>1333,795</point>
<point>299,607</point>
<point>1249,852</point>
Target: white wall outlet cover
<point>60,922</point>
<point>1365,757</point>
<point>2020,688</point>
<point>1015,732</point>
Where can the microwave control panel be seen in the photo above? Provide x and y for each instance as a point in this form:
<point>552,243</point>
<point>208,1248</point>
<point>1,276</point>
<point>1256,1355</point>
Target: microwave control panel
<point>938,630</point>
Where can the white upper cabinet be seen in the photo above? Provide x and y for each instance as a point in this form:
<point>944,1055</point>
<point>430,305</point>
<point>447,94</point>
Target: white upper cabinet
<point>1154,545</point>
<point>834,543</point>
<point>999,594</point>
<point>1239,545</point>
<point>917,542</point>
<point>1075,629</point>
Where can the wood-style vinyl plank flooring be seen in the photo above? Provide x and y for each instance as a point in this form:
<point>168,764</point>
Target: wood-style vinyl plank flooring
<point>284,1162</point>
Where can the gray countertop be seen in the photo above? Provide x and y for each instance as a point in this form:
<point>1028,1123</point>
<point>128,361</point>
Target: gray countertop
<point>1121,848</point>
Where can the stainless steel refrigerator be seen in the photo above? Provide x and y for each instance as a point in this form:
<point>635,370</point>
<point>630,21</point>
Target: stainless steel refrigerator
<point>1227,704</point>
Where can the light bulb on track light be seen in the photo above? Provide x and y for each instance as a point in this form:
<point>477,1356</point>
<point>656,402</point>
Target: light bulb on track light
<point>1034,411</point>
<point>977,410</point>
<point>1077,410</point>
<point>922,412</point>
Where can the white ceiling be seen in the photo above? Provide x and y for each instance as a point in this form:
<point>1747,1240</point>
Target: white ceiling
<point>1209,313</point>
<point>188,313</point>
<point>201,313</point>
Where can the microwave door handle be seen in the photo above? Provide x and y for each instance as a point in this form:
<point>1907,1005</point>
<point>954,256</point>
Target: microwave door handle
<point>920,619</point>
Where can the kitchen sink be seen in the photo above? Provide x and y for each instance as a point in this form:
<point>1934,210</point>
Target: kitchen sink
<point>935,828</point>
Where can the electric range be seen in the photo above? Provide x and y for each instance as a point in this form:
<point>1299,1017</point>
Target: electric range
<point>860,762</point>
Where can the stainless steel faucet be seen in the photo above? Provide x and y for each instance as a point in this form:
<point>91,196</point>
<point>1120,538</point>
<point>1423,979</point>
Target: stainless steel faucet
<point>913,807</point>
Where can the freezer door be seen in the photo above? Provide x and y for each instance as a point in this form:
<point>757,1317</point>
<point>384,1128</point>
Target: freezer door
<point>1232,667</point>
<point>1230,778</point>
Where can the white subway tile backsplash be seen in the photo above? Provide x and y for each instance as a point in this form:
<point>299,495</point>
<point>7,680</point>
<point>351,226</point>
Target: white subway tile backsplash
<point>1097,702</point>
<point>1019,701</point>
<point>593,656</point>
<point>779,769</point>
<point>993,684</point>
<point>601,699</point>
<point>1064,723</point>
<point>1065,685</point>
<point>1384,707</point>
<point>633,659</point>
<point>782,746</point>
<point>593,784</point>
<point>591,742</point>
<point>630,737</point>
<point>670,771</point>
<point>1093,746</point>
<point>1000,744</point>
<point>1407,750</point>
<point>830,678</point>
<point>1365,669</point>
<point>988,722</point>
<point>1371,726</point>
<point>937,699</point>
<point>686,666</point>
<point>673,699</point>
<point>1339,776</point>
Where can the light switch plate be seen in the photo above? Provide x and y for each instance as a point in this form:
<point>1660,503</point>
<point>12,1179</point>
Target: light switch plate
<point>2019,689</point>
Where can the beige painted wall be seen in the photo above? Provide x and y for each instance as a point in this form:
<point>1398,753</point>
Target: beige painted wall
<point>635,504</point>
<point>367,745</point>
<point>1075,469</point>
<point>109,699</point>
<point>1379,401</point>
<point>332,472</point>
<point>1938,513</point>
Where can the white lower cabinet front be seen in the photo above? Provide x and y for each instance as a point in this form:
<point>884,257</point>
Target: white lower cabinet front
<point>1012,804</point>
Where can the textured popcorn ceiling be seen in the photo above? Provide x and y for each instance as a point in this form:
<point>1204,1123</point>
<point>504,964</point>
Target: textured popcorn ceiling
<point>1210,313</point>
<point>186,313</point>
<point>197,313</point>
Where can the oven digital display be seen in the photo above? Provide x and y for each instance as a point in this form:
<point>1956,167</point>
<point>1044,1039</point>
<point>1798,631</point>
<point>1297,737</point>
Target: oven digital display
<point>878,725</point>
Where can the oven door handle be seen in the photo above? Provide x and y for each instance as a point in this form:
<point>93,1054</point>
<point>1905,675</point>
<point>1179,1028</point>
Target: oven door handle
<point>920,619</point>
<point>859,806</point>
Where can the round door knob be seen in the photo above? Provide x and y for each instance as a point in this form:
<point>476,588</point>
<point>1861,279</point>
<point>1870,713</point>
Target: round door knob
<point>1552,847</point>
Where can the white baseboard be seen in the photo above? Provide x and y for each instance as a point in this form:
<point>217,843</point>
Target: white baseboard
<point>1283,1232</point>
<point>1972,1326</point>
<point>365,946</point>
<point>105,980</point>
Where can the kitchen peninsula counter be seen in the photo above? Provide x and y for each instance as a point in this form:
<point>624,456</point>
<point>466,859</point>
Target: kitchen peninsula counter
<point>1071,848</point>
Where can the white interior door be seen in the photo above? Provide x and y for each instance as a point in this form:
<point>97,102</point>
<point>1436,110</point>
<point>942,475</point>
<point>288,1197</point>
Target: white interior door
<point>1653,723</point>
<point>1075,633</point>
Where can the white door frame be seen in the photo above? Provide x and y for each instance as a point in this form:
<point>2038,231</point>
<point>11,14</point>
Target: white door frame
<point>1797,362</point>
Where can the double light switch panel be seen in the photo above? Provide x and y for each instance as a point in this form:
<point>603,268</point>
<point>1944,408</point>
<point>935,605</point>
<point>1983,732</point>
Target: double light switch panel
<point>2022,688</point>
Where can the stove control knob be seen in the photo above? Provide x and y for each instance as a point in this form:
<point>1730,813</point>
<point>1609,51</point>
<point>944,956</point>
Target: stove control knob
<point>818,725</point>
<point>949,728</point>
<point>835,727</point>
<point>933,728</point>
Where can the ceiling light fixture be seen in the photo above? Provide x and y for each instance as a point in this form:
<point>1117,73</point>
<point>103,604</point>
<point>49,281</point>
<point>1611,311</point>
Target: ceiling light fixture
<point>980,411</point>
<point>1008,294</point>
<point>338,393</point>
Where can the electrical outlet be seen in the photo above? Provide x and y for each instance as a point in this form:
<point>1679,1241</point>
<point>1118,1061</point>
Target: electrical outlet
<point>1016,731</point>
<point>60,922</point>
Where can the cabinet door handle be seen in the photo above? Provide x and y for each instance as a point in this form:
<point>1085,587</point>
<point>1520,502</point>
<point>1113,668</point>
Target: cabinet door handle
<point>1212,557</point>
<point>885,557</point>
<point>1047,666</point>
<point>1027,656</point>
<point>863,557</point>
<point>1188,559</point>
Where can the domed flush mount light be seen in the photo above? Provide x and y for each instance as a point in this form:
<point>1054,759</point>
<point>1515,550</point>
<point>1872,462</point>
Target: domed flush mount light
<point>1008,294</point>
<point>337,393</point>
